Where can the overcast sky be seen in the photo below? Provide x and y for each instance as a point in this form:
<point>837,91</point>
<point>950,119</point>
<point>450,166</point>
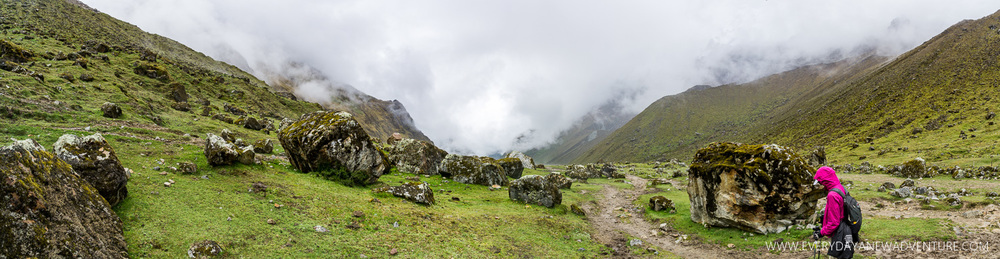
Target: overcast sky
<point>476,75</point>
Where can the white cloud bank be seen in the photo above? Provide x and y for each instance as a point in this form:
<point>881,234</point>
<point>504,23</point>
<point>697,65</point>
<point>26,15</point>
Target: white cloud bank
<point>488,76</point>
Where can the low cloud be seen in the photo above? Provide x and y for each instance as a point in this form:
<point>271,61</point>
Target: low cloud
<point>488,76</point>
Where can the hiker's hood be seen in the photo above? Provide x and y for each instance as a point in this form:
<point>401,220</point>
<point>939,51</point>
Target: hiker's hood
<point>827,177</point>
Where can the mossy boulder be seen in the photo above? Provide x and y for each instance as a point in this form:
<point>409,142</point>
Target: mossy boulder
<point>757,188</point>
<point>97,163</point>
<point>151,70</point>
<point>335,146</point>
<point>414,191</point>
<point>588,171</point>
<point>47,211</point>
<point>263,146</point>
<point>187,167</point>
<point>178,93</point>
<point>660,203</point>
<point>535,189</point>
<point>512,166</point>
<point>220,152</point>
<point>416,156</point>
<point>473,170</point>
<point>915,168</point>
<point>111,110</point>
<point>13,52</point>
<point>527,161</point>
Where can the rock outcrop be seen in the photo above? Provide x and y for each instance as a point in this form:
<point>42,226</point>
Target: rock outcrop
<point>96,162</point>
<point>759,188</point>
<point>415,156</point>
<point>414,191</point>
<point>473,170</point>
<point>263,146</point>
<point>527,161</point>
<point>47,211</point>
<point>535,189</point>
<point>334,145</point>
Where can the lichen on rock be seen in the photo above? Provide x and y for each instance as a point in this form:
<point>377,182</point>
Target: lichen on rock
<point>96,162</point>
<point>756,188</point>
<point>335,146</point>
<point>48,211</point>
<point>414,191</point>
<point>527,161</point>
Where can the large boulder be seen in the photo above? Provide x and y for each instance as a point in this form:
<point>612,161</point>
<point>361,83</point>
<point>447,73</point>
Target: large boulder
<point>512,166</point>
<point>219,152</point>
<point>587,171</point>
<point>759,188</point>
<point>915,168</point>
<point>473,170</point>
<point>47,211</point>
<point>415,156</point>
<point>414,191</point>
<point>559,180</point>
<point>263,146</point>
<point>334,145</point>
<point>96,162</point>
<point>111,110</point>
<point>535,189</point>
<point>526,160</point>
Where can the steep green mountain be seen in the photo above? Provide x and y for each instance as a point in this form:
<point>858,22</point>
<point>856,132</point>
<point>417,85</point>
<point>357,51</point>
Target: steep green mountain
<point>933,102</point>
<point>585,133</point>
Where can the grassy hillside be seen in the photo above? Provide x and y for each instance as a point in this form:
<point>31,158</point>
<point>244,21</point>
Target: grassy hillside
<point>919,104</point>
<point>676,126</point>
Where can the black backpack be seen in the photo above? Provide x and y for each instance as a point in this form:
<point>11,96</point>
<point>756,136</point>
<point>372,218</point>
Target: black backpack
<point>846,237</point>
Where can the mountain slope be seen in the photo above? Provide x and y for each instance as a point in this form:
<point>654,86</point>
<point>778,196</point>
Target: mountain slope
<point>675,126</point>
<point>919,104</point>
<point>590,130</point>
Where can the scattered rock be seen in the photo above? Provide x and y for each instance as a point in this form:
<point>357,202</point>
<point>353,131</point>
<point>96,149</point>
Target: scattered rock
<point>904,192</point>
<point>271,222</point>
<point>334,145</point>
<point>751,187</point>
<point>577,210</point>
<point>263,146</point>
<point>96,162</point>
<point>473,170</point>
<point>915,168</point>
<point>534,189</point>
<point>526,161</point>
<point>86,78</point>
<point>660,203</point>
<point>111,110</point>
<point>320,229</point>
<point>413,191</point>
<point>818,156</point>
<point>353,226</point>
<point>415,156</point>
<point>178,93</point>
<point>635,242</point>
<point>204,249</point>
<point>907,183</point>
<point>393,138</point>
<point>258,187</point>
<point>188,167</point>
<point>358,214</point>
<point>886,186</point>
<point>393,251</point>
<point>48,211</point>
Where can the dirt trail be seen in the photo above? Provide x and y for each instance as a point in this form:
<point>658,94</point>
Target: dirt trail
<point>614,215</point>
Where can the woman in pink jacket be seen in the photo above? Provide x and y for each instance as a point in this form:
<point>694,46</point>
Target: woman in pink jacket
<point>834,211</point>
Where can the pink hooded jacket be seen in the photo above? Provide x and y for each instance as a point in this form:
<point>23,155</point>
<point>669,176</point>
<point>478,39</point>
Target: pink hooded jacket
<point>834,203</point>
